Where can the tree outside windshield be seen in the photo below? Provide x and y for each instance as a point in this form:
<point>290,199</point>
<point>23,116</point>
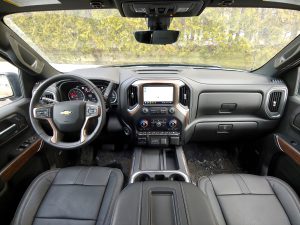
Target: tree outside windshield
<point>240,38</point>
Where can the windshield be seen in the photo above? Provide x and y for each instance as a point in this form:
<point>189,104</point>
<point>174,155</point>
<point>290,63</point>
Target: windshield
<point>239,38</point>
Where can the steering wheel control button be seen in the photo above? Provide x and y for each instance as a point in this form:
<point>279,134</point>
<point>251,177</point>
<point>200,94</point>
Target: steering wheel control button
<point>91,111</point>
<point>42,113</point>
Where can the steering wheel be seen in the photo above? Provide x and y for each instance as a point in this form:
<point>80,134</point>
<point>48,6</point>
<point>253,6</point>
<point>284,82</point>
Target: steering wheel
<point>67,116</point>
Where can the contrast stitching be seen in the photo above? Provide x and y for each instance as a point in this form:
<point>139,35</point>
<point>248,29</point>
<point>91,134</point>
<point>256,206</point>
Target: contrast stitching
<point>217,200</point>
<point>104,193</point>
<point>75,181</point>
<point>248,189</point>
<point>185,205</point>
<point>88,172</point>
<point>292,194</point>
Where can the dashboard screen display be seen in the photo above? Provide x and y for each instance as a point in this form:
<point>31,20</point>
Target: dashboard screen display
<point>158,94</point>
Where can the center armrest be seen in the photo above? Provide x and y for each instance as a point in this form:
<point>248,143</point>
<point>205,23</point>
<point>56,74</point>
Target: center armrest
<point>162,202</point>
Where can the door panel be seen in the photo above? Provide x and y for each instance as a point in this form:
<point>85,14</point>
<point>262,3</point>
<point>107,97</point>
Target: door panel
<point>285,160</point>
<point>21,156</point>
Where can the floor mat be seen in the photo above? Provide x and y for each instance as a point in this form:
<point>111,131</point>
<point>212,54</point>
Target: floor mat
<point>115,159</point>
<point>204,160</point>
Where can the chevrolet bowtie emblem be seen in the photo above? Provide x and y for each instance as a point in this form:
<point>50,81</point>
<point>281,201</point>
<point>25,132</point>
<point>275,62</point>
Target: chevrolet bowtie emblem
<point>66,113</point>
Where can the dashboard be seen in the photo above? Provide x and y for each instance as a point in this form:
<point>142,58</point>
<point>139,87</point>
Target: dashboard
<point>172,105</point>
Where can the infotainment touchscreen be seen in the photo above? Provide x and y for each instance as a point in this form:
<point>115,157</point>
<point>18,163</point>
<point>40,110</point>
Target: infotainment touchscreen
<point>158,94</point>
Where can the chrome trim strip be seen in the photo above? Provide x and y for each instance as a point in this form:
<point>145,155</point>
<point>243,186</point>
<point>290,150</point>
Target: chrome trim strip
<point>177,84</point>
<point>8,129</point>
<point>159,172</point>
<point>282,103</point>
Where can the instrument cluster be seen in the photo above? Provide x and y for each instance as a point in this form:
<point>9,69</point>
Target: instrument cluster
<point>75,91</point>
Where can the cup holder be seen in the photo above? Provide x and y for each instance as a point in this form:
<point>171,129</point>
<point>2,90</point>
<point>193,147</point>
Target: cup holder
<point>177,177</point>
<point>159,176</point>
<point>142,177</point>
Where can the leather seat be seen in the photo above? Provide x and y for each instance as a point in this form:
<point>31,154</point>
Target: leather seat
<point>70,196</point>
<point>240,199</point>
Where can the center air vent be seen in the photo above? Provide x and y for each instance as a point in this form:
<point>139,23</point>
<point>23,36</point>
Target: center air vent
<point>132,96</point>
<point>275,103</point>
<point>184,95</point>
<point>47,97</point>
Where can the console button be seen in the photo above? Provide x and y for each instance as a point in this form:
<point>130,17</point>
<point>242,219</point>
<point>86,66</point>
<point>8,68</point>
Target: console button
<point>142,140</point>
<point>158,124</point>
<point>172,110</point>
<point>145,110</point>
<point>164,141</point>
<point>154,141</point>
<point>174,140</point>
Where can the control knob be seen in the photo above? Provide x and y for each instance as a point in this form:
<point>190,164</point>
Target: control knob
<point>158,124</point>
<point>144,123</point>
<point>173,123</point>
<point>145,110</point>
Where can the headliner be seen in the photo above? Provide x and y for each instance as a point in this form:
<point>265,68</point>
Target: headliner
<point>7,8</point>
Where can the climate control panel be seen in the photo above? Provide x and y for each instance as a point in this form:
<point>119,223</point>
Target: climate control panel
<point>158,124</point>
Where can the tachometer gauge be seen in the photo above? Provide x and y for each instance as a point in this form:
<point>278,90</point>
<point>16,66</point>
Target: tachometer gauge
<point>76,94</point>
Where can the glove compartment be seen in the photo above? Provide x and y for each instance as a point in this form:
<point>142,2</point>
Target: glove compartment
<point>236,103</point>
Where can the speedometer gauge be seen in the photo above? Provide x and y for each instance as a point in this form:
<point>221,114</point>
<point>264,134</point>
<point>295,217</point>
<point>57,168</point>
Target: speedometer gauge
<point>76,94</point>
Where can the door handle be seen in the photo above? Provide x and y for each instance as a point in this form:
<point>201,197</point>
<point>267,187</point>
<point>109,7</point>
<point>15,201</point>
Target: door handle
<point>8,130</point>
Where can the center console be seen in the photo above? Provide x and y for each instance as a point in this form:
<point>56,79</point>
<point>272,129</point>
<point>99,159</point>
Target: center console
<point>159,111</point>
<point>163,164</point>
<point>162,202</point>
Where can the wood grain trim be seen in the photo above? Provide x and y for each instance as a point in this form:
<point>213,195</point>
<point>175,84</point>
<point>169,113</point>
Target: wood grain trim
<point>16,164</point>
<point>288,149</point>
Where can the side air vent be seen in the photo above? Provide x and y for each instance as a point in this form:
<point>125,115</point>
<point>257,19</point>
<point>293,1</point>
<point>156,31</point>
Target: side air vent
<point>132,96</point>
<point>276,100</point>
<point>47,97</point>
<point>276,81</point>
<point>50,96</point>
<point>184,95</point>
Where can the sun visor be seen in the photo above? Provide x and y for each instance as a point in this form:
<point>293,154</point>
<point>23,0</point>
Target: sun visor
<point>26,3</point>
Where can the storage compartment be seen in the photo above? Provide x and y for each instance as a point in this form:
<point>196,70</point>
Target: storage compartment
<point>166,203</point>
<point>223,130</point>
<point>236,103</point>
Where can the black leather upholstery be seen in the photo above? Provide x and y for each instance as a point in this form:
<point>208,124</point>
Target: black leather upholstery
<point>239,199</point>
<point>162,203</point>
<point>70,196</point>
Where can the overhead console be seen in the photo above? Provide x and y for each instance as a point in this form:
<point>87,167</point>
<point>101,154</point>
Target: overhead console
<point>160,8</point>
<point>158,110</point>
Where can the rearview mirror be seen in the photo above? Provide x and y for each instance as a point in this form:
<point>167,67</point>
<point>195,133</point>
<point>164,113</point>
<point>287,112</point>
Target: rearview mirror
<point>157,37</point>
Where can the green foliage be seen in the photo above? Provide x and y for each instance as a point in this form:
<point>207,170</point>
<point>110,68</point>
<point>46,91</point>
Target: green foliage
<point>243,38</point>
